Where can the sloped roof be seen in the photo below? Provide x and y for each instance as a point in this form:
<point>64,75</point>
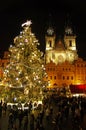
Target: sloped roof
<point>60,46</point>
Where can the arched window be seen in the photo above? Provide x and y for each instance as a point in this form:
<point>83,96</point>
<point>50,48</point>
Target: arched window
<point>63,77</point>
<point>70,43</point>
<point>50,43</point>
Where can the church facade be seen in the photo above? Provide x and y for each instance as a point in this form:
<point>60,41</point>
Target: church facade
<point>63,65</point>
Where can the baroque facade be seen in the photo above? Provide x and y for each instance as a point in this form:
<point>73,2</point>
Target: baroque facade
<point>63,65</point>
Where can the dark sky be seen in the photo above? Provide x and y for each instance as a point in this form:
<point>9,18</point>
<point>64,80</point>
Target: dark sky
<point>15,12</point>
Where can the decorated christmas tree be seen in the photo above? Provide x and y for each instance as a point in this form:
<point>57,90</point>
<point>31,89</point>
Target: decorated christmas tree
<point>24,75</point>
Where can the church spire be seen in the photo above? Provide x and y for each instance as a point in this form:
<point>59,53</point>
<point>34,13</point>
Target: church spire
<point>50,26</point>
<point>68,26</point>
<point>70,37</point>
<point>50,35</point>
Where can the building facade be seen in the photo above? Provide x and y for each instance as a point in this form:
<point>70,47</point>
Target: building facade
<point>3,62</point>
<point>63,65</point>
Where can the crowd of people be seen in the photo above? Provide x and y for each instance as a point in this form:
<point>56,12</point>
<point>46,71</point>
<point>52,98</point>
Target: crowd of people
<point>54,112</point>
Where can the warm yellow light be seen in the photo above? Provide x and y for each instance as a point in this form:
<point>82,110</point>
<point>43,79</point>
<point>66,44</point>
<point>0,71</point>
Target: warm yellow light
<point>26,77</point>
<point>77,82</point>
<point>17,78</point>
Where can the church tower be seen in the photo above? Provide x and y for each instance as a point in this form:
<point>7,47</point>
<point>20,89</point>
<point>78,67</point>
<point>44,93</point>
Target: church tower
<point>70,42</point>
<point>50,35</point>
<point>50,39</point>
<point>61,50</point>
<point>50,44</point>
<point>70,39</point>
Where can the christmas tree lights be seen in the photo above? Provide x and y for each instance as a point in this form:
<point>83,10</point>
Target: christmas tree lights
<point>26,69</point>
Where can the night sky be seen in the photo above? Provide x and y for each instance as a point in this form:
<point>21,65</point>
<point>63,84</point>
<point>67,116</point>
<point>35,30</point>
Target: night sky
<point>15,12</point>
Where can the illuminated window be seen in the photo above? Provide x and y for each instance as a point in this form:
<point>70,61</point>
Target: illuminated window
<point>50,69</point>
<point>77,65</point>
<point>2,64</point>
<point>67,77</point>
<point>81,65</point>
<point>70,43</point>
<point>50,77</point>
<point>53,69</point>
<point>46,77</point>
<point>63,77</point>
<point>50,44</point>
<point>71,77</point>
<point>54,77</point>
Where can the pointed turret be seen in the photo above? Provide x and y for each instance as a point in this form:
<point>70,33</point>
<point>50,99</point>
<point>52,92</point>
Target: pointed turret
<point>70,41</point>
<point>50,36</point>
<point>69,36</point>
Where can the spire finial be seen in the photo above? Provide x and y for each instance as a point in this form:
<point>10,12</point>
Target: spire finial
<point>68,25</point>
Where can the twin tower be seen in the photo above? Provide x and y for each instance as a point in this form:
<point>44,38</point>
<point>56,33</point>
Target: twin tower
<point>61,50</point>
